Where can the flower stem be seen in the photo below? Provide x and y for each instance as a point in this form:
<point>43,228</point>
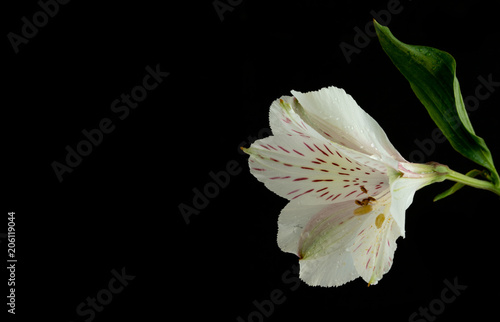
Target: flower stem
<point>473,182</point>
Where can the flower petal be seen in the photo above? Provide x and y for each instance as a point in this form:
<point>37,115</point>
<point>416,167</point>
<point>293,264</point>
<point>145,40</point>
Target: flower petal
<point>375,244</point>
<point>314,170</point>
<point>402,192</point>
<point>320,235</point>
<point>284,121</point>
<point>335,114</point>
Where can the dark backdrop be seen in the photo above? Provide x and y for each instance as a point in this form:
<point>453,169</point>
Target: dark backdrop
<point>117,212</point>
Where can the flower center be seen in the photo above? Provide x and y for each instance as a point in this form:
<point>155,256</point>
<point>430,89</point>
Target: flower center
<point>368,204</point>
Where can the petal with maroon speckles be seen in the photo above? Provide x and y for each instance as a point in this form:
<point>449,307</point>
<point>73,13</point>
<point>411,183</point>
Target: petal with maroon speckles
<point>336,115</point>
<point>374,246</point>
<point>284,121</point>
<point>289,166</point>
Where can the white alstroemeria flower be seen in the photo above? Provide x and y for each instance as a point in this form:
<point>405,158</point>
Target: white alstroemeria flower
<point>348,186</point>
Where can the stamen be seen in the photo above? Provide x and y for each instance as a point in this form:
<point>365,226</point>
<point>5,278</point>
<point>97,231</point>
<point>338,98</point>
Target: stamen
<point>363,210</point>
<point>364,202</point>
<point>363,189</point>
<point>379,220</point>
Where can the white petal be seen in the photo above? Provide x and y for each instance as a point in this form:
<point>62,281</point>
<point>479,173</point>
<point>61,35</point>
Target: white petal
<point>314,170</point>
<point>402,192</point>
<point>374,248</point>
<point>284,121</point>
<point>292,221</point>
<point>334,269</point>
<point>336,115</point>
<point>320,235</point>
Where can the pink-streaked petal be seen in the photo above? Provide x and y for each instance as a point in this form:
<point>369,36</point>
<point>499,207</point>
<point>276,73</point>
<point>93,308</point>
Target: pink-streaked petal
<point>374,247</point>
<point>284,121</point>
<point>335,114</point>
<point>314,170</point>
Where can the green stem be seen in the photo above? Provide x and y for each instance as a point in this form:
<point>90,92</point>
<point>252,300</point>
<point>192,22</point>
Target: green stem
<point>472,182</point>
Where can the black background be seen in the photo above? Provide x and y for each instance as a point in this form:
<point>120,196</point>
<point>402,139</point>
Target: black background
<point>119,208</point>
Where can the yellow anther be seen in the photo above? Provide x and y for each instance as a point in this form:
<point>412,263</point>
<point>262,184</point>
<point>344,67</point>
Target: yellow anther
<point>379,220</point>
<point>363,210</point>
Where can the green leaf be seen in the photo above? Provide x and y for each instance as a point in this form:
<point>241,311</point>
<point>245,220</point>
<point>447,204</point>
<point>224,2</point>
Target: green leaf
<point>457,186</point>
<point>432,76</point>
